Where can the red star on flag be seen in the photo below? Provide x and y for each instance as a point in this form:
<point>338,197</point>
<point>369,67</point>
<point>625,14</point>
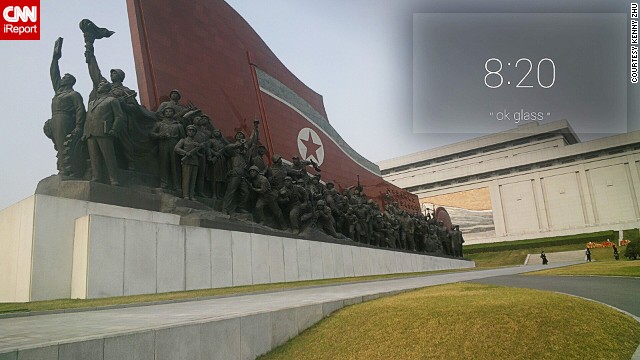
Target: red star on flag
<point>312,147</point>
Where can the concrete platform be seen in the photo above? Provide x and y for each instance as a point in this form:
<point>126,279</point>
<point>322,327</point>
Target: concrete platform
<point>56,248</point>
<point>37,242</point>
<point>238,327</point>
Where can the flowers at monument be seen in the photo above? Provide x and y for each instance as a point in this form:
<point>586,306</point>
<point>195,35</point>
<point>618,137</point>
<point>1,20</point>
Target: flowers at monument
<point>604,244</point>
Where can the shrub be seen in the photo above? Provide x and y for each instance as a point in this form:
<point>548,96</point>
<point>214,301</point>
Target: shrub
<point>631,234</point>
<point>633,250</point>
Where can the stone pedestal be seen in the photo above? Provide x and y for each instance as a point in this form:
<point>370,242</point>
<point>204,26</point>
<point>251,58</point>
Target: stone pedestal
<point>56,248</point>
<point>37,242</point>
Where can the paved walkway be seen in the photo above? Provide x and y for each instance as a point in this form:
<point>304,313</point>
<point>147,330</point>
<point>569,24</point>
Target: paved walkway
<point>37,331</point>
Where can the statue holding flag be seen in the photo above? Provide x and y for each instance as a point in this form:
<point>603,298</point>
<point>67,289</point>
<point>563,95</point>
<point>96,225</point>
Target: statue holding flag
<point>133,141</point>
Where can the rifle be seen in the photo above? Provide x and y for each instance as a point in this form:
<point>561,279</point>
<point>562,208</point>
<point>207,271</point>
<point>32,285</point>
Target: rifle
<point>190,153</point>
<point>315,166</point>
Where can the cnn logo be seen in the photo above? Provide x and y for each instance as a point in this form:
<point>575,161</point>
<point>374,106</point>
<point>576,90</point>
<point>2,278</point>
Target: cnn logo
<point>16,13</point>
<point>20,20</point>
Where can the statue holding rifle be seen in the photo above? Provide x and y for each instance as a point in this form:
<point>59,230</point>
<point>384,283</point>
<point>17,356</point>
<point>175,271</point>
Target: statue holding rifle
<point>190,150</point>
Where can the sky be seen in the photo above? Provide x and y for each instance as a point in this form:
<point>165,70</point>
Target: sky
<point>358,54</point>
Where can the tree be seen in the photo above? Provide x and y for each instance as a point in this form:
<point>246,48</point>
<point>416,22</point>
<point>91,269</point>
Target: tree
<point>633,250</point>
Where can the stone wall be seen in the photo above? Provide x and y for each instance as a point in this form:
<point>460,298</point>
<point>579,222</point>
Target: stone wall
<point>62,248</point>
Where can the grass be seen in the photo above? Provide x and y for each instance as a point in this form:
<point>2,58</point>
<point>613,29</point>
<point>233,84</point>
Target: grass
<point>469,321</point>
<point>620,268</point>
<point>62,304</point>
<point>515,257</point>
<point>603,264</point>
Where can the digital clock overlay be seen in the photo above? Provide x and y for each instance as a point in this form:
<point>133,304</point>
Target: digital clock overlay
<point>483,73</point>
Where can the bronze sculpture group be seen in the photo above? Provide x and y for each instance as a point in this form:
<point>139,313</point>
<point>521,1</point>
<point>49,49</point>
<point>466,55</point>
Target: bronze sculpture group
<point>195,161</point>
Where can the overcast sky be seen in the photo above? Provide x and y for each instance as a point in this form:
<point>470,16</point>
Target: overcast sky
<point>356,53</point>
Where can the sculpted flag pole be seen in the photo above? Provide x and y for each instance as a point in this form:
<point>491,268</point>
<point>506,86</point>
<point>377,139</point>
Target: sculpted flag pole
<point>263,112</point>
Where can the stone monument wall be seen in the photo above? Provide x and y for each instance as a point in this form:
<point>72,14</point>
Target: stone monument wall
<point>65,248</point>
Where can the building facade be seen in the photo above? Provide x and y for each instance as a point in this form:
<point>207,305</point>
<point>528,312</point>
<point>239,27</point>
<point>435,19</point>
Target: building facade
<point>538,180</point>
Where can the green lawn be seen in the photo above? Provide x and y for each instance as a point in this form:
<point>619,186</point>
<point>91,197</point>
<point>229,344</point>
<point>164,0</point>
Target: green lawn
<point>603,264</point>
<point>469,321</point>
<point>515,257</point>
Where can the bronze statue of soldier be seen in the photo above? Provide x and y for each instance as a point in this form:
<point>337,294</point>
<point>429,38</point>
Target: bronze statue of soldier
<point>277,172</point>
<point>324,220</point>
<point>391,233</point>
<point>352,225</point>
<point>315,188</point>
<point>299,167</point>
<point>202,136</point>
<point>190,150</point>
<point>407,231</point>
<point>266,197</point>
<point>362,212</point>
<point>292,199</point>
<point>378,232</point>
<point>420,233</point>
<point>457,241</point>
<point>104,119</point>
<point>168,131</point>
<point>133,140</point>
<point>307,208</point>
<point>342,207</point>
<point>174,102</point>
<point>444,238</point>
<point>67,118</point>
<point>218,164</point>
<point>237,192</point>
<point>257,159</point>
<point>433,243</point>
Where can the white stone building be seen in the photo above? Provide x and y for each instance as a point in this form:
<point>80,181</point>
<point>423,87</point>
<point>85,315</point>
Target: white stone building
<point>532,181</point>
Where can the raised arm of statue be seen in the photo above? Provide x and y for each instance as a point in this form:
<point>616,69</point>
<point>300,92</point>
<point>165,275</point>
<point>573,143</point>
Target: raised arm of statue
<point>55,68</point>
<point>91,32</point>
<point>227,150</point>
<point>255,135</point>
<point>92,64</point>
